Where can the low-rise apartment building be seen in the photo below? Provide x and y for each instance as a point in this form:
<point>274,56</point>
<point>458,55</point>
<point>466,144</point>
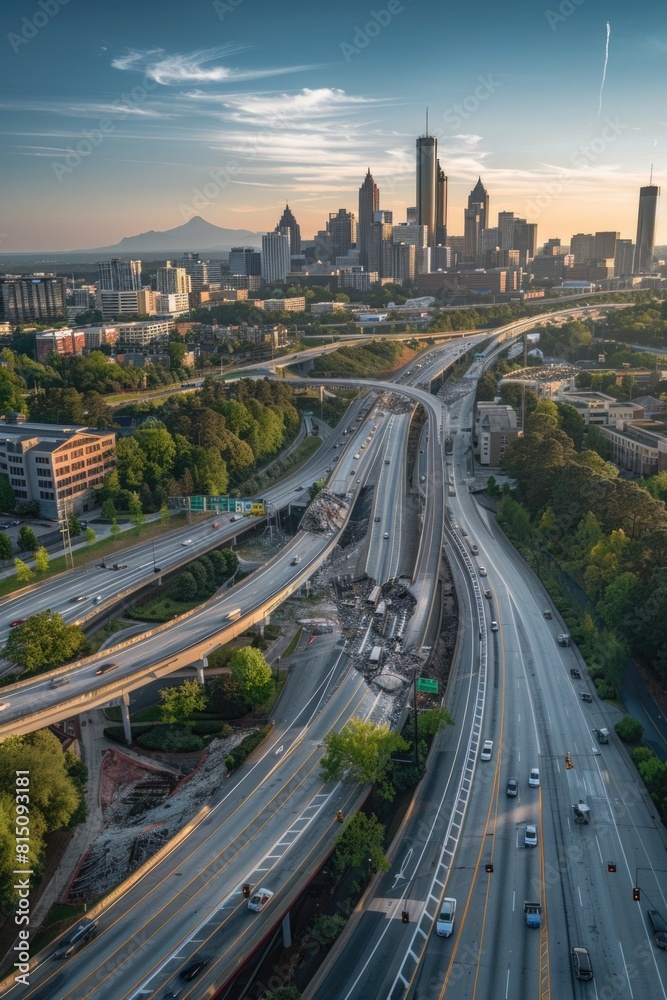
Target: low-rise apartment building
<point>638,446</point>
<point>495,429</point>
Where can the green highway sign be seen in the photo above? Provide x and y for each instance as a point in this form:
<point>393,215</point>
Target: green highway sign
<point>222,505</point>
<point>427,685</point>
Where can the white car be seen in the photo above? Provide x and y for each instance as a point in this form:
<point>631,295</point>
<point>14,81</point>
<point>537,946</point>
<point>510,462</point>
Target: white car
<point>534,779</point>
<point>445,924</point>
<point>188,541</point>
<point>530,837</point>
<point>259,900</point>
<point>4,706</point>
<point>482,571</point>
<point>494,626</point>
<point>487,750</point>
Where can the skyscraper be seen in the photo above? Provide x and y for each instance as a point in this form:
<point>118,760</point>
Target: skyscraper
<point>245,260</point>
<point>32,299</point>
<point>369,203</point>
<point>118,275</point>
<point>645,242</point>
<point>172,280</point>
<point>276,253</point>
<point>605,245</point>
<point>342,227</point>
<point>476,218</point>
<point>441,206</point>
<point>427,181</point>
<point>623,258</point>
<point>287,221</point>
<point>582,245</point>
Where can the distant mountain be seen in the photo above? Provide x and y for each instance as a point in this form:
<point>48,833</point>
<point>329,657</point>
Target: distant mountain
<point>196,234</point>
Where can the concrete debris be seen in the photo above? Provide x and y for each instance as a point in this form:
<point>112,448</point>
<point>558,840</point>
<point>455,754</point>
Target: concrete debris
<point>326,513</point>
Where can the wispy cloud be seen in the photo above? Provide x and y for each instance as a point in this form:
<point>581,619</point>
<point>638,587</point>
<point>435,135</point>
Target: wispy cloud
<point>195,67</point>
<point>86,109</point>
<point>281,108</point>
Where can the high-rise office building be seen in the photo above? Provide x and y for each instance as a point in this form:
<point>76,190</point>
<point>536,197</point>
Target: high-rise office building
<point>404,263</point>
<point>32,298</point>
<point>440,206</point>
<point>276,251</point>
<point>199,271</point>
<point>506,227</point>
<point>411,214</point>
<point>476,218</point>
<point>342,228</point>
<point>605,245</point>
<point>369,204</point>
<point>287,221</point>
<point>118,275</point>
<point>489,239</point>
<point>624,258</point>
<point>427,182</point>
<point>380,237</point>
<point>525,240</point>
<point>582,246</point>
<point>645,242</point>
<point>245,260</point>
<point>172,280</point>
<point>416,236</point>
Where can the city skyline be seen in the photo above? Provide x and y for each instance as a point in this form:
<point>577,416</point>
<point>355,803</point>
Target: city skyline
<point>117,121</point>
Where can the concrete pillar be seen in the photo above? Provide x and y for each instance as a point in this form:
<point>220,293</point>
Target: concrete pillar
<point>199,667</point>
<point>125,715</point>
<point>287,931</point>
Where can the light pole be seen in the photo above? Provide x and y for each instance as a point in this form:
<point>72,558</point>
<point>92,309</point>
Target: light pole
<point>278,671</point>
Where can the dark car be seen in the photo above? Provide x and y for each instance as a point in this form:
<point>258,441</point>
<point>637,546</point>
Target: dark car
<point>119,566</point>
<point>105,668</point>
<point>17,621</point>
<point>192,970</point>
<point>377,520</point>
<point>659,928</point>
<point>581,961</point>
<point>512,788</point>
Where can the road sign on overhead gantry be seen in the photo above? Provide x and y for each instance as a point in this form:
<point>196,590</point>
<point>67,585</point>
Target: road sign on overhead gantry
<point>221,505</point>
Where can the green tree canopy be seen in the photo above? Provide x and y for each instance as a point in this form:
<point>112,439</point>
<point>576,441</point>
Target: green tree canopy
<point>43,642</point>
<point>178,704</point>
<point>361,754</point>
<point>27,541</point>
<point>251,675</point>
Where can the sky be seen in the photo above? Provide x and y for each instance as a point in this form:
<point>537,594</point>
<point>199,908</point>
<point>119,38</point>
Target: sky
<point>117,118</point>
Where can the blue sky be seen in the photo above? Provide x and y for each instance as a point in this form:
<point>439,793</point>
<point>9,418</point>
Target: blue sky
<point>121,117</point>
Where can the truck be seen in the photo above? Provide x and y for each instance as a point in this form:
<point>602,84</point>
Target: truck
<point>376,656</point>
<point>601,735</point>
<point>581,812</point>
<point>233,615</point>
<point>533,912</point>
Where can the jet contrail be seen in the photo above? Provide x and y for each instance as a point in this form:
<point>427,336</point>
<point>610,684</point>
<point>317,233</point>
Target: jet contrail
<point>604,71</point>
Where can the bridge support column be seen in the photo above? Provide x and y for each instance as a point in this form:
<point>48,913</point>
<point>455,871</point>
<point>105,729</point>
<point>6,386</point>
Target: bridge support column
<point>199,667</point>
<point>287,931</point>
<point>125,715</point>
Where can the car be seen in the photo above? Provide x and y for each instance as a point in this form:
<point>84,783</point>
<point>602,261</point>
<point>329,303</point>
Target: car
<point>547,614</point>
<point>3,526</point>
<point>575,673</point>
<point>377,520</point>
<point>445,923</point>
<point>17,622</point>
<point>299,489</point>
<point>216,524</point>
<point>4,705</point>
<point>534,778</point>
<point>79,597</point>
<point>423,479</point>
<point>494,626</point>
<point>259,900</point>
<point>14,524</point>
<point>386,534</point>
<point>487,750</point>
<point>474,549</point>
<point>83,524</point>
<point>353,472</point>
<point>581,962</point>
<point>118,566</point>
<point>98,599</point>
<point>387,461</point>
<point>105,668</point>
<point>512,789</point>
<point>358,480</point>
<point>295,561</point>
<point>188,541</point>
<point>464,532</point>
<point>482,571</point>
<point>659,928</point>
<point>487,594</point>
<point>357,455</point>
<point>585,696</point>
<point>421,451</point>
<point>530,836</point>
<point>563,639</point>
<point>192,970</point>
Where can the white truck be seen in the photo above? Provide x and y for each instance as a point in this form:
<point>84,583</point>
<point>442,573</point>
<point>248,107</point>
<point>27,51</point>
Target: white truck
<point>581,812</point>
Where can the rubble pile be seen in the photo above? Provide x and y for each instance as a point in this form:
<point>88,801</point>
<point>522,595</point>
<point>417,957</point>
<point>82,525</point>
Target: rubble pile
<point>326,513</point>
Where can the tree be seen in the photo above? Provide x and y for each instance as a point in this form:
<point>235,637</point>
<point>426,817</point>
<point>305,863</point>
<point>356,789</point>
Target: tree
<point>43,642</point>
<point>5,546</point>
<point>361,754</point>
<point>252,676</point>
<point>136,513</point>
<point>41,560</point>
<point>316,488</point>
<point>7,498</point>
<point>114,530</point>
<point>572,422</point>
<point>629,730</point>
<point>165,516</point>
<point>75,528</point>
<point>288,992</point>
<point>323,932</point>
<point>109,510</point>
<point>361,842</point>
<point>431,722</point>
<point>90,536</point>
<point>179,703</point>
<point>27,539</point>
<point>23,572</point>
<point>185,586</point>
